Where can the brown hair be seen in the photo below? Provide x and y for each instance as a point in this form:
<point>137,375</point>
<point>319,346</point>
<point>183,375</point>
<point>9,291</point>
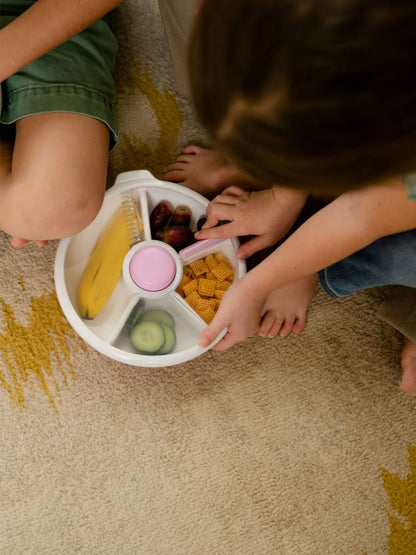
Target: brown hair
<point>319,94</point>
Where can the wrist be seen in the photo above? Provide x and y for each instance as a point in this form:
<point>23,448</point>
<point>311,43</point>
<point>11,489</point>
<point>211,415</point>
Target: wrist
<point>252,288</point>
<point>293,197</point>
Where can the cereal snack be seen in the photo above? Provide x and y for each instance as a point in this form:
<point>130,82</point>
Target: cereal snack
<point>204,283</point>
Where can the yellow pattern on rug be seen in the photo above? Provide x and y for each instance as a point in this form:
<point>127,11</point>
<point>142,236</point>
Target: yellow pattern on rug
<point>402,496</point>
<point>133,151</point>
<point>38,354</point>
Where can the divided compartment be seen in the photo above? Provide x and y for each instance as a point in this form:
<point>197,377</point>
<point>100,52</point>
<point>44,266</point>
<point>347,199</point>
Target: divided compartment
<point>187,326</point>
<point>176,198</point>
<point>106,332</point>
<point>228,248</point>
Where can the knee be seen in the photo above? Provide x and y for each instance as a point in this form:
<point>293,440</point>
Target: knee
<point>70,214</point>
<point>76,213</point>
<point>62,213</point>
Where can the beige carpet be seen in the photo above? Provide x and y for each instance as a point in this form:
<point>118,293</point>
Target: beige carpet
<point>290,446</point>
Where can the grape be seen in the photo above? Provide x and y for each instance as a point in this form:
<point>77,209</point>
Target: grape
<point>160,215</point>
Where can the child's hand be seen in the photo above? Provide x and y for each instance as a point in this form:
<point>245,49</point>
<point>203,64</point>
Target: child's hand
<point>240,312</point>
<point>268,214</point>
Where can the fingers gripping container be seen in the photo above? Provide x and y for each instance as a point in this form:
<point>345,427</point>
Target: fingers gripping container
<point>151,272</point>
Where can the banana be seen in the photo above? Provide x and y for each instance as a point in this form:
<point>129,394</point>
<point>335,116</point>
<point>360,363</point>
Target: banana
<point>104,266</point>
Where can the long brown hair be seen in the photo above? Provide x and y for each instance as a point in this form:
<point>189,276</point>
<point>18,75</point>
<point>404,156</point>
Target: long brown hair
<point>318,94</point>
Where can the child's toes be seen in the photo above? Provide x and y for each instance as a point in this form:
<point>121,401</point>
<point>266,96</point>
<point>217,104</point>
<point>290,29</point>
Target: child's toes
<point>265,324</point>
<point>274,330</point>
<point>192,149</point>
<point>17,242</point>
<point>268,322</point>
<point>409,380</point>
<point>299,324</point>
<point>408,383</point>
<point>287,326</point>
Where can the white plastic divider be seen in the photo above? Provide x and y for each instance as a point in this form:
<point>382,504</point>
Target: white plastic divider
<point>107,332</point>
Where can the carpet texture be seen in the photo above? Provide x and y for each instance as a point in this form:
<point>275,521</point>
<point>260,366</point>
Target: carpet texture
<point>302,445</point>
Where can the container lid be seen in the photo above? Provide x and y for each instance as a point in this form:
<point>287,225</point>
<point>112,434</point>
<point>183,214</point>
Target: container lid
<point>152,268</point>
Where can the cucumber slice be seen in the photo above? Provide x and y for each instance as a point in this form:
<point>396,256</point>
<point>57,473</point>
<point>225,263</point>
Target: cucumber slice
<point>170,340</point>
<point>160,316</point>
<point>147,337</point>
<point>134,315</point>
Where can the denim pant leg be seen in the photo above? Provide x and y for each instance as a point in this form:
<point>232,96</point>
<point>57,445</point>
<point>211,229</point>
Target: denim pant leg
<point>388,261</point>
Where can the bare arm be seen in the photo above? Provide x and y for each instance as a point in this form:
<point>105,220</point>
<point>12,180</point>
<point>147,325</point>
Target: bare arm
<point>44,26</point>
<point>349,223</point>
<point>346,225</point>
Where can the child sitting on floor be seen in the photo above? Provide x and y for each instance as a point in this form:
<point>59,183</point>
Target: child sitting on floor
<point>57,116</point>
<point>306,97</point>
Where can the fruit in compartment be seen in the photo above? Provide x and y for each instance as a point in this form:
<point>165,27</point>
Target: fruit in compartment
<point>160,215</point>
<point>153,332</point>
<point>172,225</point>
<point>181,216</point>
<point>178,236</point>
<point>104,266</point>
<point>158,235</point>
<point>204,283</point>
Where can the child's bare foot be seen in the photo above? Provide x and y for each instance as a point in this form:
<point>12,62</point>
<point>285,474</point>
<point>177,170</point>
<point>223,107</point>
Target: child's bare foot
<point>17,242</point>
<point>408,366</point>
<point>286,308</point>
<point>205,171</point>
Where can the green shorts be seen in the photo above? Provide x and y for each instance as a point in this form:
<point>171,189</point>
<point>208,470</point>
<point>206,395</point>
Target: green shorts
<point>77,76</point>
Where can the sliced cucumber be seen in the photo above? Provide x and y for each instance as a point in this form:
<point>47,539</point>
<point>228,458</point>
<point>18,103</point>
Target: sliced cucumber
<point>147,337</point>
<point>134,315</point>
<point>170,340</point>
<point>157,315</point>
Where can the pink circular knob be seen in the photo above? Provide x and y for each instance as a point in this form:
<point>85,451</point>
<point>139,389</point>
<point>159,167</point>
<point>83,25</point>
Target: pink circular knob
<point>152,268</point>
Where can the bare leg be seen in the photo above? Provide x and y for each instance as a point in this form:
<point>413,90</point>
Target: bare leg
<point>286,308</point>
<point>56,178</point>
<point>409,366</point>
<point>206,172</point>
<point>6,154</point>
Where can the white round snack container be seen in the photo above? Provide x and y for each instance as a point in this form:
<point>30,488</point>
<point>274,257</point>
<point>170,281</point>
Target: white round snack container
<point>107,331</point>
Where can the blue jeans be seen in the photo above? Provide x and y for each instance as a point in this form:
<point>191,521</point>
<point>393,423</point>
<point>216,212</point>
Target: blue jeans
<point>390,260</point>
